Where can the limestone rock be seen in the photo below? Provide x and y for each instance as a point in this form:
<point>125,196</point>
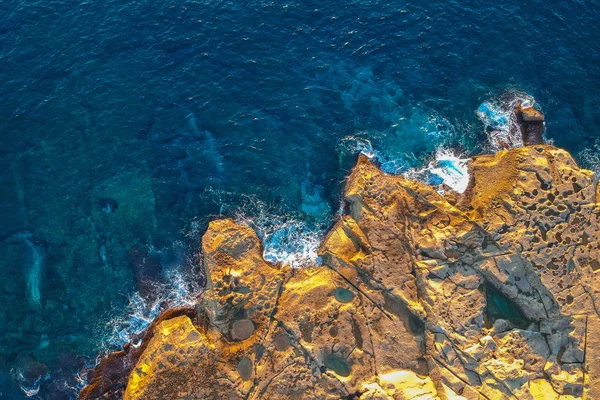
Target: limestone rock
<point>492,294</point>
<point>530,114</point>
<point>531,124</point>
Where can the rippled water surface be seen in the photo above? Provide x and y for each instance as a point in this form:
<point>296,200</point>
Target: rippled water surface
<point>127,125</point>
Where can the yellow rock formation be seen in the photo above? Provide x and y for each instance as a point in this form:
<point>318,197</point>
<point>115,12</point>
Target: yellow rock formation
<point>493,294</point>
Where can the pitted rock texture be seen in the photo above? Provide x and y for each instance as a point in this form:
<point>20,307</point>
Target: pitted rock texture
<point>493,294</point>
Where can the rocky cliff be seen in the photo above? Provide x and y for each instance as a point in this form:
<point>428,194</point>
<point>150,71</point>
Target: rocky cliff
<point>492,294</point>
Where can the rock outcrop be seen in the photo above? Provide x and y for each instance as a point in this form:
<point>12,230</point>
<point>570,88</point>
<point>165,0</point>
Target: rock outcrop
<point>531,124</point>
<point>492,294</point>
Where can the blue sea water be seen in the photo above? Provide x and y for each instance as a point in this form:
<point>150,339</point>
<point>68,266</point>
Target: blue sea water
<point>127,125</point>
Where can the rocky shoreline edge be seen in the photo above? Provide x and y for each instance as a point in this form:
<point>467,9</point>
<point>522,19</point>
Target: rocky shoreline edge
<point>489,294</point>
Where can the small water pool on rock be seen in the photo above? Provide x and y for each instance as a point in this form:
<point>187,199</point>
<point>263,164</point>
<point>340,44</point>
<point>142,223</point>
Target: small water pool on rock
<point>501,307</point>
<point>337,365</point>
<point>343,295</point>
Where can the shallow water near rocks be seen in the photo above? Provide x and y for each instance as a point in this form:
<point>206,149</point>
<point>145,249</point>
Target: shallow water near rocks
<point>127,126</point>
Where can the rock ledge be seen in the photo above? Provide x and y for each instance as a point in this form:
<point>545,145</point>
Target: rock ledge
<point>493,294</point>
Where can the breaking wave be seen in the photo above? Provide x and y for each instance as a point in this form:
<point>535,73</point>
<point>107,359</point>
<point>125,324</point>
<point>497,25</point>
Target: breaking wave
<point>294,240</point>
<point>436,164</point>
<point>30,389</point>
<point>437,160</point>
<point>447,167</point>
<point>499,121</point>
<point>286,239</point>
<point>178,289</point>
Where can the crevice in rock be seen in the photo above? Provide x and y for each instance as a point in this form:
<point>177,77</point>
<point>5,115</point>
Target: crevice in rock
<point>311,360</point>
<point>499,306</point>
<point>264,388</point>
<point>584,363</point>
<point>584,286</point>
<point>363,293</point>
<point>457,376</point>
<point>368,326</point>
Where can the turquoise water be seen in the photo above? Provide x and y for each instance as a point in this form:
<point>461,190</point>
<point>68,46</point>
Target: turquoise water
<point>500,307</point>
<point>126,126</point>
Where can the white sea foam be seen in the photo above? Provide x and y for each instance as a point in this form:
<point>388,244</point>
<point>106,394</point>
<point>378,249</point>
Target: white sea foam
<point>361,145</point>
<point>392,164</point>
<point>447,167</point>
<point>286,240</point>
<point>293,244</point>
<point>291,239</point>
<point>499,120</point>
<point>590,158</point>
<point>394,156</point>
<point>179,290</point>
<point>31,389</point>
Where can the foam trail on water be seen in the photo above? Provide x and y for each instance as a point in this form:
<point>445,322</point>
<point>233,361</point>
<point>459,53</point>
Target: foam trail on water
<point>31,390</point>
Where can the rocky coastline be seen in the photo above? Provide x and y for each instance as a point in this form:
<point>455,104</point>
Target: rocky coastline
<point>489,294</point>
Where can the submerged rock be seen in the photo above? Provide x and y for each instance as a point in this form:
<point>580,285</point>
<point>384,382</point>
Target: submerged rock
<point>109,205</point>
<point>490,294</point>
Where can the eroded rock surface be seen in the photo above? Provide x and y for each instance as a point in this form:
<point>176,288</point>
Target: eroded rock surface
<point>493,294</point>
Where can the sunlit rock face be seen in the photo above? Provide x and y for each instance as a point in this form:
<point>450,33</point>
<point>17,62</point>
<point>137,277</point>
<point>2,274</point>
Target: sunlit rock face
<point>491,294</point>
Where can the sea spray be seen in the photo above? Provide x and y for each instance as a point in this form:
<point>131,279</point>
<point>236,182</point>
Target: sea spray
<point>288,237</point>
<point>293,244</point>
<point>446,168</point>
<point>590,158</point>
<point>406,143</point>
<point>179,289</point>
<point>286,240</point>
<point>30,389</point>
<point>392,164</point>
<point>499,120</point>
